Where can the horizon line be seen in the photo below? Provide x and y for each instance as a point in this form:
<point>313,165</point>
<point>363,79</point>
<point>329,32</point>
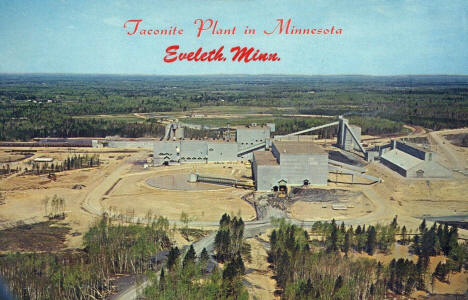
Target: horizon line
<point>231,74</point>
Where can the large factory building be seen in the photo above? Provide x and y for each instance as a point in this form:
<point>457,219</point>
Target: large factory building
<point>413,162</point>
<point>177,150</point>
<point>290,163</point>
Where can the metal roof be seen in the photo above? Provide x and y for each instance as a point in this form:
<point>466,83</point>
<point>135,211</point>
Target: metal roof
<point>295,147</point>
<point>401,159</point>
<point>265,158</point>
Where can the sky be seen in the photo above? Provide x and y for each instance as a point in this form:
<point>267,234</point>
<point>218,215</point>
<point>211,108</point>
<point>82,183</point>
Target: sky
<point>380,37</point>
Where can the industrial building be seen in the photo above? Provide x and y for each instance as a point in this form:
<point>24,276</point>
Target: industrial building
<point>412,161</point>
<point>175,149</point>
<point>290,163</point>
<point>288,160</point>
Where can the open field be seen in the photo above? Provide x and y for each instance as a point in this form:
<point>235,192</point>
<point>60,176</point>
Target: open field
<point>133,193</point>
<point>117,117</point>
<point>45,236</point>
<point>358,205</point>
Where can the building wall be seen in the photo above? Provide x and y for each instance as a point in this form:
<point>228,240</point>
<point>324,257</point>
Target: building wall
<point>193,151</point>
<point>276,153</point>
<point>349,142</point>
<point>424,155</point>
<point>266,177</point>
<point>166,150</point>
<point>295,168</point>
<point>392,166</point>
<point>247,137</point>
<point>131,144</point>
<point>218,151</point>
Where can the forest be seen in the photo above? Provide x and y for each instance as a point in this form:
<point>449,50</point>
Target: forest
<point>38,105</point>
<point>319,264</point>
<point>109,249</point>
<point>189,276</point>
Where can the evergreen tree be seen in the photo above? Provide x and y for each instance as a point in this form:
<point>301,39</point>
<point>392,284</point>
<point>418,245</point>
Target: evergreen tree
<point>190,257</point>
<point>172,257</point>
<point>204,256</point>
<point>371,240</point>
<point>347,243</point>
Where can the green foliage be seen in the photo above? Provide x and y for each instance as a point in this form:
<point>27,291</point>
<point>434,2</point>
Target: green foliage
<point>189,279</point>
<point>180,284</point>
<point>305,274</point>
<point>70,163</point>
<point>110,249</point>
<point>378,237</point>
<point>229,238</point>
<point>70,105</point>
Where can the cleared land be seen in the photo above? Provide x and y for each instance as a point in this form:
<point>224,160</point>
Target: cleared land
<point>45,236</point>
<point>132,194</point>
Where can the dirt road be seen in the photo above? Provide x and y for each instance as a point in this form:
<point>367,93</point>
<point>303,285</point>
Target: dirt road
<point>446,148</point>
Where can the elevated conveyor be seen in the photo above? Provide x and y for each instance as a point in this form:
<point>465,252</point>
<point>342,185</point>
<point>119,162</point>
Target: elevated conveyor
<point>224,181</point>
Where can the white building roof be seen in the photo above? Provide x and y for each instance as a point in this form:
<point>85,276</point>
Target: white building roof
<point>401,159</point>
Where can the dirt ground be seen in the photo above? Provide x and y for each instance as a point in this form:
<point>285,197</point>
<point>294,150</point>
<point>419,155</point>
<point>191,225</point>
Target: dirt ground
<point>133,193</point>
<point>458,282</point>
<point>45,236</point>
<point>260,285</point>
<point>25,194</point>
<point>122,177</point>
<point>358,205</point>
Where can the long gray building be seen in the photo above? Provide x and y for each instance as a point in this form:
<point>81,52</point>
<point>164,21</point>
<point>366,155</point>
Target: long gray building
<point>290,163</point>
<point>413,162</point>
<point>194,151</point>
<point>180,150</point>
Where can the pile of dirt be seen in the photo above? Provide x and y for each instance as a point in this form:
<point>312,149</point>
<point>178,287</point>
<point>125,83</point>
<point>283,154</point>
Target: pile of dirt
<point>322,195</point>
<point>44,236</point>
<point>78,186</point>
<point>460,139</point>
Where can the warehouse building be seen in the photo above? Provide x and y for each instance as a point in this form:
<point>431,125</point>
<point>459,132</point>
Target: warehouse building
<point>194,151</point>
<point>174,149</point>
<point>290,163</point>
<point>413,162</point>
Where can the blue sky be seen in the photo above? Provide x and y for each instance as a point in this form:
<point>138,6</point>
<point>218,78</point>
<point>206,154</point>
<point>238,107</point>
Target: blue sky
<point>379,37</point>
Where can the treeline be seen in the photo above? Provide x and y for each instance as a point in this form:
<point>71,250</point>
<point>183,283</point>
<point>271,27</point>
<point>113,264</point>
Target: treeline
<point>377,126</point>
<point>229,241</point>
<point>311,266</point>
<point>305,273</point>
<point>109,249</point>
<point>193,276</point>
<point>25,128</point>
<point>370,239</point>
<point>70,163</point>
<point>441,240</point>
<point>43,105</point>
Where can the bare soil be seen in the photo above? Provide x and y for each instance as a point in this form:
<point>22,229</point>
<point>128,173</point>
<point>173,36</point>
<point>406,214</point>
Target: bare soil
<point>40,237</point>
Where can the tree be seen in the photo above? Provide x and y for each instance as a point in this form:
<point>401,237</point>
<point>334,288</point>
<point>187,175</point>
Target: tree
<point>422,227</point>
<point>172,257</point>
<point>403,235</point>
<point>371,240</point>
<point>190,257</point>
<point>347,243</point>
<point>333,238</point>
<point>204,256</point>
<point>394,222</point>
